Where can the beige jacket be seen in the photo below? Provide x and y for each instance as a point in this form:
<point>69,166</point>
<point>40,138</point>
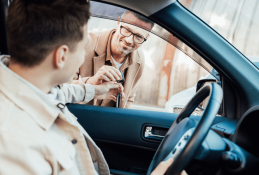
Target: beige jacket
<point>97,55</point>
<point>38,134</point>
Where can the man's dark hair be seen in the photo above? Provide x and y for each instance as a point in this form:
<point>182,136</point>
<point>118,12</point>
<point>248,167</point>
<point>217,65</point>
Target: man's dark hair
<point>141,17</point>
<point>37,27</point>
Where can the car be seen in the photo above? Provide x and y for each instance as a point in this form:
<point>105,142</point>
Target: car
<point>178,101</point>
<point>134,142</point>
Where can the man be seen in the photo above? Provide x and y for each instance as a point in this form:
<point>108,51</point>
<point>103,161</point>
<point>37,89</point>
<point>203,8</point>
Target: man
<point>38,134</point>
<point>113,50</point>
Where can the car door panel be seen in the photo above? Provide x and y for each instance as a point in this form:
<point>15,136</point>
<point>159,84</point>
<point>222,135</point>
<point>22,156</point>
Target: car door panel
<point>119,125</point>
<point>125,157</point>
<point>119,133</point>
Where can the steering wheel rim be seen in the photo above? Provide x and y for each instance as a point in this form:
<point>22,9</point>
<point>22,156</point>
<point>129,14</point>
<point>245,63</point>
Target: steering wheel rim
<point>183,124</point>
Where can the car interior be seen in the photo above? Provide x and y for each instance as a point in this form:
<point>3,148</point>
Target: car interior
<point>221,141</point>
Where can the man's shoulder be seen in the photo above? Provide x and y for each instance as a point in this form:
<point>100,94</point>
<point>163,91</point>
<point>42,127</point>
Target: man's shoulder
<point>14,120</point>
<point>5,107</point>
<point>18,128</point>
<point>96,34</point>
<point>94,39</point>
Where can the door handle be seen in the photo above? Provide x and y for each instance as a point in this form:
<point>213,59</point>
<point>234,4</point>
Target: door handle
<point>149,134</point>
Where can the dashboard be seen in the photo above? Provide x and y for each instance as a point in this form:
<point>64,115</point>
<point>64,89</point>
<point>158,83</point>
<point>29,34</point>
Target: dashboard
<point>243,132</point>
<point>247,130</point>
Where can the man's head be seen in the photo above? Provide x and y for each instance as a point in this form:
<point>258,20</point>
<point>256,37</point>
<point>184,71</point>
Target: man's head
<point>51,32</point>
<point>130,37</point>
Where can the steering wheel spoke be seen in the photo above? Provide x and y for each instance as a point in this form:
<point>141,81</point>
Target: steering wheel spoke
<point>180,145</point>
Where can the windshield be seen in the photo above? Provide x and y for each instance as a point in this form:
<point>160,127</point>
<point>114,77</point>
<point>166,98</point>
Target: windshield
<point>236,21</point>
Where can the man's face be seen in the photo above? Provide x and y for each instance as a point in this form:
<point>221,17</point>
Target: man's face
<point>76,58</point>
<point>125,45</point>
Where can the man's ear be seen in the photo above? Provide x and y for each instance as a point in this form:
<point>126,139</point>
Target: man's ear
<point>60,56</point>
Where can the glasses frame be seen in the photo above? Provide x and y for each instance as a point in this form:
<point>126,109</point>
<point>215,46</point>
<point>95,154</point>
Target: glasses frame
<point>134,34</point>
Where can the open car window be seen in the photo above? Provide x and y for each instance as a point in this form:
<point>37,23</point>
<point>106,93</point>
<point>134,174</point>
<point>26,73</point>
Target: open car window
<point>107,11</point>
<point>172,69</point>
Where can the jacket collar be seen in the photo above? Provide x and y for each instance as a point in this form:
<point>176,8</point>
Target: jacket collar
<point>102,42</point>
<point>27,97</point>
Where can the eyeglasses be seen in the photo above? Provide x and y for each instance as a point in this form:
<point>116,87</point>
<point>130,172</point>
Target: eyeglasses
<point>136,37</point>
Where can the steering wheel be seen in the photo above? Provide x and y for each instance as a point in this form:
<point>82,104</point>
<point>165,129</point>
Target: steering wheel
<point>186,135</point>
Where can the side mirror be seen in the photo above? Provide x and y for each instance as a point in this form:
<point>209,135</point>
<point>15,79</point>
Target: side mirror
<point>202,82</point>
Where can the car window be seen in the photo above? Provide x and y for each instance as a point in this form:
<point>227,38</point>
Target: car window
<point>171,70</point>
<point>236,21</point>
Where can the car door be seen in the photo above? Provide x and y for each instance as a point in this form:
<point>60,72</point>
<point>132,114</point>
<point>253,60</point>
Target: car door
<point>129,138</point>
